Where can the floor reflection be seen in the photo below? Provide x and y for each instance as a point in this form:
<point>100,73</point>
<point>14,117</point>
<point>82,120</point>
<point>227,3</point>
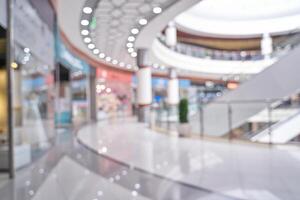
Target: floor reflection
<point>70,171</point>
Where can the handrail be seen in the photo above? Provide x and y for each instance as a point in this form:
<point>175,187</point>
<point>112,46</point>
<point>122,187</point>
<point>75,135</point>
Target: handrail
<point>204,52</point>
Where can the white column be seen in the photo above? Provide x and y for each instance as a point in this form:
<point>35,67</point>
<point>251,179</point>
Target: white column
<point>173,88</point>
<point>144,87</point>
<point>266,45</point>
<point>171,35</point>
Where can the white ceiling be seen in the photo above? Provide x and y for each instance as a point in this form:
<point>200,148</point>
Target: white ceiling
<point>114,21</point>
<point>241,17</point>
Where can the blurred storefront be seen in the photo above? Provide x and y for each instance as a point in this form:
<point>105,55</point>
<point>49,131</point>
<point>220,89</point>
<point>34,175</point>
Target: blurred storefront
<point>113,93</point>
<point>33,89</point>
<point>75,93</point>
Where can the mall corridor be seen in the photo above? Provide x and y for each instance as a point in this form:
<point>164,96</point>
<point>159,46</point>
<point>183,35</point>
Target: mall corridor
<point>149,99</point>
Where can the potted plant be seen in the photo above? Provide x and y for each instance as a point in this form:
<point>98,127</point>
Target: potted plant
<point>184,126</point>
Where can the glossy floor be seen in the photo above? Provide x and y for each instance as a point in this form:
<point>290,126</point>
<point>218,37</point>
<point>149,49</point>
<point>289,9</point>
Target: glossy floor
<point>236,170</point>
<point>70,171</point>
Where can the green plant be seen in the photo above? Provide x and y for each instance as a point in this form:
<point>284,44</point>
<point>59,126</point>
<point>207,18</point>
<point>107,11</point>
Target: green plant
<point>183,111</point>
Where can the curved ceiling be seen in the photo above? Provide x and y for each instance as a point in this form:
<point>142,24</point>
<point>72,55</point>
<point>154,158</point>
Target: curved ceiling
<point>233,18</point>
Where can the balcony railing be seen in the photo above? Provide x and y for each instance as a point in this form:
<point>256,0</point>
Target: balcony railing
<point>207,53</point>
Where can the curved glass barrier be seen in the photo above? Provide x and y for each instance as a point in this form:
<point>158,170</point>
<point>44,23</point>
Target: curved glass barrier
<point>207,53</point>
<point>278,122</point>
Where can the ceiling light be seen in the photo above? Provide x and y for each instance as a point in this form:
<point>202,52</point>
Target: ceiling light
<point>128,66</point>
<point>129,45</point>
<point>157,10</point>
<point>102,55</point>
<point>133,54</point>
<point>85,22</point>
<point>26,50</point>
<point>84,32</point>
<point>122,64</point>
<point>87,40</point>
<point>108,59</point>
<point>130,50</point>
<point>91,46</point>
<point>143,22</point>
<point>131,38</point>
<point>87,10</point>
<point>135,31</point>
<point>96,51</point>
<point>115,62</point>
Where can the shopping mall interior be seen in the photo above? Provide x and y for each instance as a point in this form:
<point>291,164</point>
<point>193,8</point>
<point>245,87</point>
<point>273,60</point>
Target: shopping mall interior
<point>149,99</point>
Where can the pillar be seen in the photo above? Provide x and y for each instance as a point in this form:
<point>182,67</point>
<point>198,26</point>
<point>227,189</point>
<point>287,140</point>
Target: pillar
<point>171,35</point>
<point>144,87</point>
<point>266,45</point>
<point>173,88</point>
<point>91,95</point>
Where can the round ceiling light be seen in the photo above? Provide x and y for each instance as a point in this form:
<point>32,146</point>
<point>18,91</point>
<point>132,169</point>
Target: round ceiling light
<point>87,10</point>
<point>85,32</point>
<point>143,21</point>
<point>135,31</point>
<point>87,40</point>
<point>157,10</point>
<point>85,22</point>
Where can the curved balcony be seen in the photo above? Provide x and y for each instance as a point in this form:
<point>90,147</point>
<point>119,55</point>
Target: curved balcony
<point>208,53</point>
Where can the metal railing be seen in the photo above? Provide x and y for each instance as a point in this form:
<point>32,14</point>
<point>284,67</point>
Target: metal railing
<point>207,53</point>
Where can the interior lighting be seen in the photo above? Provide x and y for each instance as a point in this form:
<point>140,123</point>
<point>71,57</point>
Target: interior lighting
<point>129,45</point>
<point>84,32</point>
<point>108,90</point>
<point>91,46</point>
<point>26,50</point>
<point>135,31</point>
<point>96,51</point>
<point>131,38</point>
<point>115,62</point>
<point>87,40</point>
<point>87,10</point>
<point>128,66</point>
<point>143,21</point>
<point>14,65</point>
<point>108,59</point>
<point>157,10</point>
<point>85,22</point>
<point>133,54</point>
<point>130,50</point>
<point>102,55</point>
<point>122,64</point>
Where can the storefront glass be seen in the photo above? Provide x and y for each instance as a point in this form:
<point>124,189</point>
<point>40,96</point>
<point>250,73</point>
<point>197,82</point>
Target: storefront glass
<point>33,90</point>
<point>113,94</point>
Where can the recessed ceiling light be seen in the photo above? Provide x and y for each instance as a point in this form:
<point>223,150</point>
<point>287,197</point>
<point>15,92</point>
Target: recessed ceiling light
<point>143,22</point>
<point>96,51</point>
<point>87,10</point>
<point>87,40</point>
<point>130,50</point>
<point>129,45</point>
<point>91,46</point>
<point>108,59</point>
<point>85,22</point>
<point>128,66</point>
<point>133,54</point>
<point>115,62</point>
<point>131,38</point>
<point>84,32</point>
<point>102,55</point>
<point>157,10</point>
<point>26,50</point>
<point>122,64</point>
<point>135,31</point>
